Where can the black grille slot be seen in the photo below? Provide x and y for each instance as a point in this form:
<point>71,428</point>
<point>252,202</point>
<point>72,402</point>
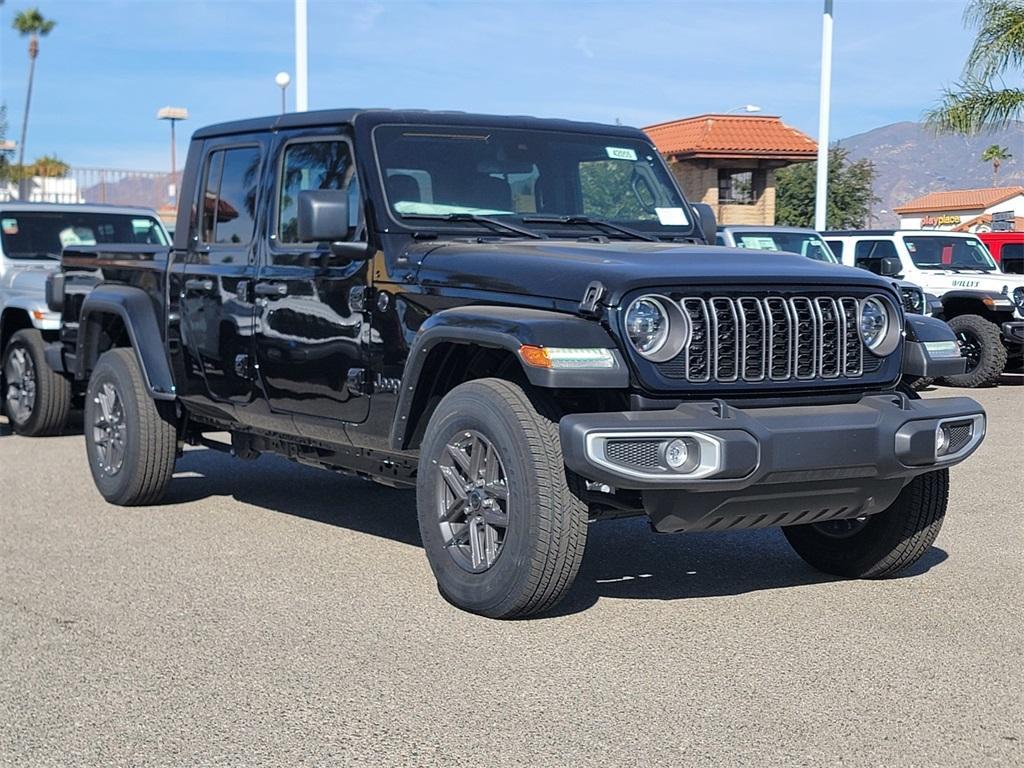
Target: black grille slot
<point>771,338</point>
<point>637,453</point>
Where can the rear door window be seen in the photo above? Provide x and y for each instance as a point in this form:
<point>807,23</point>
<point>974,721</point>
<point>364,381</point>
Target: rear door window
<point>229,199</point>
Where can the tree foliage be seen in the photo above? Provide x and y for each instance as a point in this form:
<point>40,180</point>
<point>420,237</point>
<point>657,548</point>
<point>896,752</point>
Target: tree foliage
<point>995,154</point>
<point>982,100</point>
<point>850,192</point>
<point>32,23</point>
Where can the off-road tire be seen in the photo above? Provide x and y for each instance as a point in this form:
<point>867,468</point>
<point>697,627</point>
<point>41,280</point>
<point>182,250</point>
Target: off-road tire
<point>151,438</point>
<point>52,404</point>
<point>917,383</point>
<point>547,522</point>
<point>887,542</point>
<point>993,353</point>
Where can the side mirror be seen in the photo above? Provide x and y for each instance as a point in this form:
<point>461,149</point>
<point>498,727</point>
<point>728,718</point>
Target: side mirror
<point>706,217</point>
<point>889,266</point>
<point>323,215</point>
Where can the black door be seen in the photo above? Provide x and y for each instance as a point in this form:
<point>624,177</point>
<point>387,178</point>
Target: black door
<point>214,282</point>
<point>311,313</point>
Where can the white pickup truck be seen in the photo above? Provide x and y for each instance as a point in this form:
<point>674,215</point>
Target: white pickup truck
<point>983,305</point>
<point>36,400</point>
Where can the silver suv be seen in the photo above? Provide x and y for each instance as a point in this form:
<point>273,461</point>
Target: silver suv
<point>35,399</point>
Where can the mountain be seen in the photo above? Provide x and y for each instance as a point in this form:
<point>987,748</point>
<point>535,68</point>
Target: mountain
<point>911,161</point>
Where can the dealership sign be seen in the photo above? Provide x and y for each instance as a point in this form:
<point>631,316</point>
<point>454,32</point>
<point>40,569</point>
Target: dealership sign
<point>940,221</point>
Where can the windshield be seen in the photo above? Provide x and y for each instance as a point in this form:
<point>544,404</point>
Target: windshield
<point>938,252</point>
<point>42,234</point>
<point>807,244</point>
<point>550,180</point>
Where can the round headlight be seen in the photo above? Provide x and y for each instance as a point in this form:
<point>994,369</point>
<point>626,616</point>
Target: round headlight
<point>657,328</point>
<point>878,326</point>
<point>1018,298</point>
<point>647,325</point>
<point>914,300</point>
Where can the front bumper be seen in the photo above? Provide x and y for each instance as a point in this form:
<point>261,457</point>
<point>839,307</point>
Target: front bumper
<point>771,466</point>
<point>1013,332</point>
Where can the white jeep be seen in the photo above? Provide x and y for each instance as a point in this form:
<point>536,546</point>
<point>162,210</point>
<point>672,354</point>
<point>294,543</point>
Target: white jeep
<point>983,306</point>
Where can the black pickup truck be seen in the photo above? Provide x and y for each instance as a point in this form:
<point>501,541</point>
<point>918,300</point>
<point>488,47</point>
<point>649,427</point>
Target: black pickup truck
<point>522,319</point>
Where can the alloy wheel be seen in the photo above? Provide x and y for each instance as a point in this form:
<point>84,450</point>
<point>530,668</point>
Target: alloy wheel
<point>109,430</point>
<point>970,348</point>
<point>472,501</point>
<point>20,375</point>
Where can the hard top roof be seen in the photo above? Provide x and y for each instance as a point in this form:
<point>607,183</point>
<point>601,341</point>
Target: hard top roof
<point>763,228</point>
<point>16,206</point>
<point>411,117</point>
<point>889,232</point>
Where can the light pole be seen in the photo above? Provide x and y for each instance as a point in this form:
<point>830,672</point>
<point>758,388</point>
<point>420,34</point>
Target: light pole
<point>748,108</point>
<point>824,100</point>
<point>173,114</point>
<point>301,57</point>
<point>282,79</point>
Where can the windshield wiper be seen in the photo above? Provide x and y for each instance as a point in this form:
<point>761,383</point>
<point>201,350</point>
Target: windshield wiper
<point>477,219</point>
<point>591,221</point>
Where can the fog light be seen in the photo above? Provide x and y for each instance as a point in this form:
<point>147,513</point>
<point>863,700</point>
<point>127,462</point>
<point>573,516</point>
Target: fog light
<point>676,454</point>
<point>953,436</point>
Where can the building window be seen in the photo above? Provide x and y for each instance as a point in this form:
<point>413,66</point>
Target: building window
<point>738,187</point>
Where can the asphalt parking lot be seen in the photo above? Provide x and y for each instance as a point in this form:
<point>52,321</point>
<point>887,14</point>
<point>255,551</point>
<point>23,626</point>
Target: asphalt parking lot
<point>273,614</point>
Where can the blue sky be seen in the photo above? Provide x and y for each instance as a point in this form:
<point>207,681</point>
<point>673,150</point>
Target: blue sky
<point>108,66</point>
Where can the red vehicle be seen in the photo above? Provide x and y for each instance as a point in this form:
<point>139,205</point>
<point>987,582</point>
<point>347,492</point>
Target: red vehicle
<point>1007,249</point>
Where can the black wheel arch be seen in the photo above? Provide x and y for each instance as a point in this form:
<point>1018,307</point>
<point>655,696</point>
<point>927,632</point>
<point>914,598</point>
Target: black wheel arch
<point>463,343</point>
<point>123,316</point>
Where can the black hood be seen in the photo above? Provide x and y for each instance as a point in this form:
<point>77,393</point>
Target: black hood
<point>562,269</point>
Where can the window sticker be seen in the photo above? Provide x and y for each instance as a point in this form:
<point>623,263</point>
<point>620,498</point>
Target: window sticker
<point>621,153</point>
<point>10,226</point>
<point>672,217</point>
<point>910,246</point>
<point>758,242</point>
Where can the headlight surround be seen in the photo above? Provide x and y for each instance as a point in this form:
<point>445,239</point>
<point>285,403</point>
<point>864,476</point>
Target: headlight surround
<point>1018,298</point>
<point>913,299</point>
<point>878,325</point>
<point>656,328</point>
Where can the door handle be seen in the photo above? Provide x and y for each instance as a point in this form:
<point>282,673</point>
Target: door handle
<point>271,289</point>
<point>193,284</point>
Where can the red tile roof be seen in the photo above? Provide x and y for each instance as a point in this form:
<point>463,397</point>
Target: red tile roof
<point>986,218</point>
<point>959,200</point>
<point>732,136</point>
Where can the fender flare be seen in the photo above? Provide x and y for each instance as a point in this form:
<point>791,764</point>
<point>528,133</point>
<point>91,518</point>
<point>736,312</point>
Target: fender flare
<point>979,296</point>
<point>508,328</point>
<point>135,308</point>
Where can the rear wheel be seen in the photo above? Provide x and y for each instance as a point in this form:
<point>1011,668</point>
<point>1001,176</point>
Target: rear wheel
<point>503,532</point>
<point>131,440</point>
<point>880,545</point>
<point>36,398</point>
<point>981,343</point>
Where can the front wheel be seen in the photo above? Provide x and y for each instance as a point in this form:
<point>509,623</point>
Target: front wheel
<point>37,399</point>
<point>502,530</point>
<point>877,546</point>
<point>981,343</point>
<point>131,440</point>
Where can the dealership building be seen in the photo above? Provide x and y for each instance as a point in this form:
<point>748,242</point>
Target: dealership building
<point>966,210</point>
<point>729,161</point>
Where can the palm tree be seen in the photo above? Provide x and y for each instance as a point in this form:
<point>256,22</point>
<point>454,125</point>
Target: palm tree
<point>33,25</point>
<point>50,166</point>
<point>982,100</point>
<point>995,155</point>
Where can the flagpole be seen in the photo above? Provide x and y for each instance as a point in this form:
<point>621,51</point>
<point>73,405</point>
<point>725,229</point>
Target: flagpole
<point>824,101</point>
<point>301,57</point>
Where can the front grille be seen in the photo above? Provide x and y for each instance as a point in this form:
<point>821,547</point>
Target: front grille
<point>771,339</point>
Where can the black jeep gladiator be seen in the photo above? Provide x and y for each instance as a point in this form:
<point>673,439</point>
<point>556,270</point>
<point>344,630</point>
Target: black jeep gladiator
<point>522,319</point>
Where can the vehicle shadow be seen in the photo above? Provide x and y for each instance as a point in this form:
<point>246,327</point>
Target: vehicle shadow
<point>624,558</point>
